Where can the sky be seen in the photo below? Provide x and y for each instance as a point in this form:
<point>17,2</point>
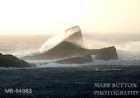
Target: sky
<point>54,16</point>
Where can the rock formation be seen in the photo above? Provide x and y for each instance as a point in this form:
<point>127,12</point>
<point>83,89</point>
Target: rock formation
<point>12,61</point>
<point>85,57</point>
<point>106,53</point>
<point>71,50</point>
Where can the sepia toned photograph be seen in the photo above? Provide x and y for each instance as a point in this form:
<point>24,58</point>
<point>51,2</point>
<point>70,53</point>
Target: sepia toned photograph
<point>69,48</point>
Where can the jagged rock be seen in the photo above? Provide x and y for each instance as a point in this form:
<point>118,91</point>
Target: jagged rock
<point>12,61</point>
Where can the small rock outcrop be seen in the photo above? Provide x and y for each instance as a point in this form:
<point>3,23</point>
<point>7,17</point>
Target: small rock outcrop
<point>12,61</point>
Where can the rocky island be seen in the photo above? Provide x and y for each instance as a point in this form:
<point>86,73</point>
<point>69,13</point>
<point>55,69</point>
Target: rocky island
<point>70,49</point>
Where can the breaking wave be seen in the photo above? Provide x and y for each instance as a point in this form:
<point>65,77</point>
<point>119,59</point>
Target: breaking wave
<point>129,50</point>
<point>50,43</point>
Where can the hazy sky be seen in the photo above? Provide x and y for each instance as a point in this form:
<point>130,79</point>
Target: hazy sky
<point>54,16</point>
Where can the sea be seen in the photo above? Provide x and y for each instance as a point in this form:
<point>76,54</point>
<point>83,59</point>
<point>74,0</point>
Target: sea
<point>89,80</point>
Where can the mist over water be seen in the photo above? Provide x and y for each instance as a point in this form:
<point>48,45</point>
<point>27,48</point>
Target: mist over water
<point>128,51</point>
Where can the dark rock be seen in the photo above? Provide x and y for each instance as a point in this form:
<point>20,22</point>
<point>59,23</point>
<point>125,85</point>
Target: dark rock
<point>71,50</point>
<point>12,61</point>
<point>62,50</point>
<point>106,53</point>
